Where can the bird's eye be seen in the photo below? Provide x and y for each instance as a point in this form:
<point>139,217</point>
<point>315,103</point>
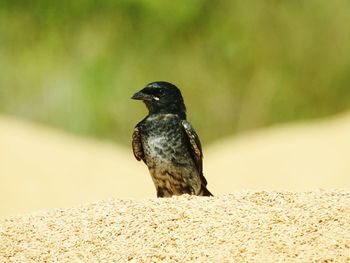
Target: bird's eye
<point>158,94</point>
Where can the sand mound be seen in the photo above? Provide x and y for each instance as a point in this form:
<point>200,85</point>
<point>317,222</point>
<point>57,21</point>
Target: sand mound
<point>245,226</point>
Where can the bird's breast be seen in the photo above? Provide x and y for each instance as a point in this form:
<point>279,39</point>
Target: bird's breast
<point>157,147</point>
<point>163,141</point>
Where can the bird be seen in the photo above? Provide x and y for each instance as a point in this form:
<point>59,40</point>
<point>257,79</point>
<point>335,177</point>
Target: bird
<point>167,143</point>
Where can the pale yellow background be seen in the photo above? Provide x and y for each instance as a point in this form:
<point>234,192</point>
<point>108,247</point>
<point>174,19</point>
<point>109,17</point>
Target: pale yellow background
<point>44,168</point>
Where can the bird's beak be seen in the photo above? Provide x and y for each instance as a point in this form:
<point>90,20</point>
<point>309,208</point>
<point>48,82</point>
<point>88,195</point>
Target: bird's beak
<point>141,96</point>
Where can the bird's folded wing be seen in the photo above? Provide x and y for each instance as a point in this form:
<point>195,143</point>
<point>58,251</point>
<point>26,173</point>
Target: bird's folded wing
<point>137,145</point>
<point>195,148</point>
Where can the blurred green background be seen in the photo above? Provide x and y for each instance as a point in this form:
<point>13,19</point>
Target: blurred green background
<point>240,64</point>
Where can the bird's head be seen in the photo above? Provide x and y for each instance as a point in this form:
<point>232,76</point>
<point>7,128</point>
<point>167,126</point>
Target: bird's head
<point>162,97</point>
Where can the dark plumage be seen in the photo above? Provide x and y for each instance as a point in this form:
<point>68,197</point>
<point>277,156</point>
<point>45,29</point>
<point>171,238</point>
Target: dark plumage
<point>167,143</point>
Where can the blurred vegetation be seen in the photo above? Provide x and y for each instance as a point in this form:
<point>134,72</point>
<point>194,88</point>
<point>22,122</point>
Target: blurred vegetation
<point>240,64</point>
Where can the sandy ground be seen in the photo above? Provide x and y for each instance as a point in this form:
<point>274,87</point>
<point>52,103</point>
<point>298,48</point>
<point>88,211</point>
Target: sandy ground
<point>42,168</point>
<point>240,227</point>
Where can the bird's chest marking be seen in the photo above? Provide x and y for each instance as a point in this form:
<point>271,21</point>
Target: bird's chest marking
<point>161,139</point>
<point>155,145</point>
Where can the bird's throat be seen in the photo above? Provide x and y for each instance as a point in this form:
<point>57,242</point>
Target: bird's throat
<point>175,108</point>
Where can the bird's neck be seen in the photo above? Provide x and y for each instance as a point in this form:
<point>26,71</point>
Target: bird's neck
<point>178,109</point>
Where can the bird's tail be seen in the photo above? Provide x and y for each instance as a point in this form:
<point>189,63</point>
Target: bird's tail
<point>205,192</point>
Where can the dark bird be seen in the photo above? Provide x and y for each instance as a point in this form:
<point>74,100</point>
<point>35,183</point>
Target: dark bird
<point>167,143</point>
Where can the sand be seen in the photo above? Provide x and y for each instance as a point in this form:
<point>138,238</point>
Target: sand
<point>43,168</point>
<point>262,226</point>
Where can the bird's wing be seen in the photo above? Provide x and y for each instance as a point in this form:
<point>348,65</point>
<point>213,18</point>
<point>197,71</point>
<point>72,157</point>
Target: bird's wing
<point>195,148</point>
<point>137,145</point>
